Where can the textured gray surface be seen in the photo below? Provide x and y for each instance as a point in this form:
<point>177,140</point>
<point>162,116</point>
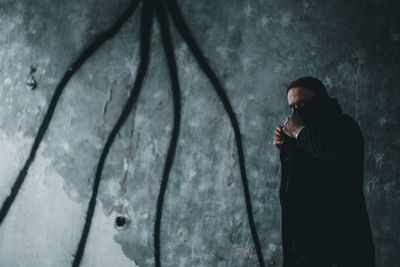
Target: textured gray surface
<point>255,48</point>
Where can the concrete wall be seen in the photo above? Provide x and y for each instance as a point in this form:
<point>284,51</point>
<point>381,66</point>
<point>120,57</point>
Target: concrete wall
<point>255,47</point>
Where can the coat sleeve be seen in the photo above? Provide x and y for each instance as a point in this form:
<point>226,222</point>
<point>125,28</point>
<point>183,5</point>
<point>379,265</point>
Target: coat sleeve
<point>339,146</point>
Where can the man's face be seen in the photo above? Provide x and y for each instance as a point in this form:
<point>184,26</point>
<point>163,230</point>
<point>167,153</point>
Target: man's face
<point>298,97</point>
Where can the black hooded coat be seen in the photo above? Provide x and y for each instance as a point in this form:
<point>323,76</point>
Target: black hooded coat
<point>324,215</point>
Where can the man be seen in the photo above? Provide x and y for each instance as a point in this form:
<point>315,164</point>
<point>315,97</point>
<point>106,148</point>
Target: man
<point>324,216</point>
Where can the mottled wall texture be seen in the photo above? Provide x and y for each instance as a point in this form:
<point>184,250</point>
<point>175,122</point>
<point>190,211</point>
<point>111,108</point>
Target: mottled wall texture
<point>255,48</point>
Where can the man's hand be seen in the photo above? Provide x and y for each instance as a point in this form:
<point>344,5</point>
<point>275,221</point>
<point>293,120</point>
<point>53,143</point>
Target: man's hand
<point>279,137</point>
<point>293,124</point>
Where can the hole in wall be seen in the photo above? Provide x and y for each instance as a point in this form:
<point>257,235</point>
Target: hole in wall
<point>31,82</point>
<point>121,221</point>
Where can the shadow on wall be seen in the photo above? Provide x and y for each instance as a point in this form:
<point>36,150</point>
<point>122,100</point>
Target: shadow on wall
<point>148,8</point>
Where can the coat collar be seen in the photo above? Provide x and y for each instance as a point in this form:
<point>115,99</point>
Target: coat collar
<point>331,108</point>
<point>325,112</point>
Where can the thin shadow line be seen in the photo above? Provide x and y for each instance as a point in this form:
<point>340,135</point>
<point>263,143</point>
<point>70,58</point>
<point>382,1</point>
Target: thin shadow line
<point>173,73</point>
<point>53,103</point>
<point>191,43</point>
<point>145,35</point>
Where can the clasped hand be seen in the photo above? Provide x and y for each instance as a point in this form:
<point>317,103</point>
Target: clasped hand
<point>293,124</point>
